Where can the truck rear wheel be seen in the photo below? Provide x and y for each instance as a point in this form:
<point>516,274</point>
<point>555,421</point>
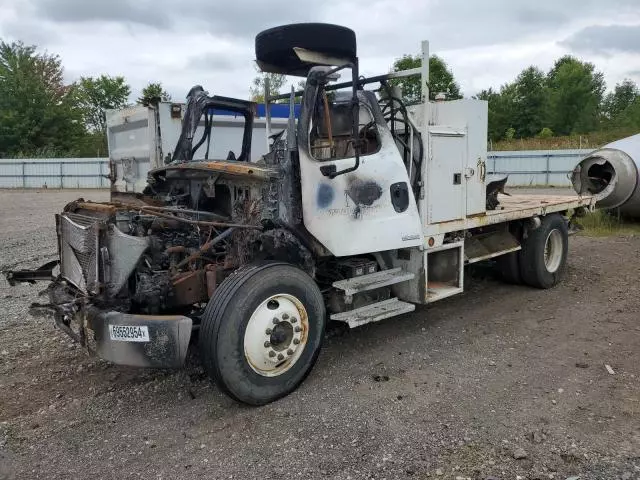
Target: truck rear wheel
<point>509,268</point>
<point>543,258</point>
<point>262,332</point>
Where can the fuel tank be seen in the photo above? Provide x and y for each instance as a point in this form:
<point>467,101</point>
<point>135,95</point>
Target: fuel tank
<point>612,175</point>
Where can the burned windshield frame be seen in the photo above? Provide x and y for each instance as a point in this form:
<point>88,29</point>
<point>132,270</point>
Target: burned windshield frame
<point>199,104</point>
<point>331,170</point>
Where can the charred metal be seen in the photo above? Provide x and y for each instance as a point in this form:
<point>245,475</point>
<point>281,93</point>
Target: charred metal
<point>165,250</point>
<point>364,192</point>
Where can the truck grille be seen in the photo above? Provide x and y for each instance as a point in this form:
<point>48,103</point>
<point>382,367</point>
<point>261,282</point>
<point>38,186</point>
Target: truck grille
<point>79,250</point>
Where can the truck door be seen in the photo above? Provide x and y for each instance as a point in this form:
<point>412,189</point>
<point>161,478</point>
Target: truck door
<point>369,209</point>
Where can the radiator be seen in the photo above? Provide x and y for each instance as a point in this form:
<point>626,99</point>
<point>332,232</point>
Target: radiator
<point>79,236</point>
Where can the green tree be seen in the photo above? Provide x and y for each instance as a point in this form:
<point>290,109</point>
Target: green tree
<point>629,118</point>
<point>575,96</point>
<point>546,132</point>
<point>153,94</point>
<point>491,97</point>
<point>96,95</point>
<point>37,111</point>
<point>276,82</point>
<point>530,102</point>
<point>624,95</point>
<point>441,79</point>
<point>501,110</point>
<point>510,133</point>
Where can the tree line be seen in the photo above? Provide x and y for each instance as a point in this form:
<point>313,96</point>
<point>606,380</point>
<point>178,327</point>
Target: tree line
<point>568,99</point>
<point>41,115</point>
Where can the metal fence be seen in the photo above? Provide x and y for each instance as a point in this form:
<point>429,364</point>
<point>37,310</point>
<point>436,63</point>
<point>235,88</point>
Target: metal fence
<point>54,173</point>
<point>536,167</point>
<point>525,168</point>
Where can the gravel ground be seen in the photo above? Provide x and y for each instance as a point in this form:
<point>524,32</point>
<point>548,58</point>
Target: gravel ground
<point>502,382</point>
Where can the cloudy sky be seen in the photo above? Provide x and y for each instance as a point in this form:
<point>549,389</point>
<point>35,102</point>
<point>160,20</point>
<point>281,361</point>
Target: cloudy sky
<point>210,42</point>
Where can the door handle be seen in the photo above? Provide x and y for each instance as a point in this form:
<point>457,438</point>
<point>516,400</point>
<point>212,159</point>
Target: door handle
<point>482,169</point>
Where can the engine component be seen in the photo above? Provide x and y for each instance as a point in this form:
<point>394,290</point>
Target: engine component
<point>120,257</point>
<point>190,288</point>
<point>154,292</point>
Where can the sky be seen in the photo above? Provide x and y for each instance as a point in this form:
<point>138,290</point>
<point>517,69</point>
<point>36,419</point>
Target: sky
<point>211,42</point>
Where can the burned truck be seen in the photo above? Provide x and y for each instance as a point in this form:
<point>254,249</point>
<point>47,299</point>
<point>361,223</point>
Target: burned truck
<point>363,208</point>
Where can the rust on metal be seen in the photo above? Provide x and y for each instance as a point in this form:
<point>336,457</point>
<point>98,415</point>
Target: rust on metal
<point>96,207</point>
<point>211,273</point>
<point>241,169</point>
<point>159,212</point>
<point>190,288</point>
<point>204,248</point>
<point>176,249</point>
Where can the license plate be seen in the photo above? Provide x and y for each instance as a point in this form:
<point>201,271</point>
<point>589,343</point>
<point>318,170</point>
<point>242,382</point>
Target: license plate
<point>129,333</point>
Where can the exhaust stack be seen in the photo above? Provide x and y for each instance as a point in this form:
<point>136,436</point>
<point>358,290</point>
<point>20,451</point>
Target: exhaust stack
<point>612,176</point>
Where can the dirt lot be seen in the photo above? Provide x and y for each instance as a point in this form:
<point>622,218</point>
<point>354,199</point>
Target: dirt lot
<point>502,382</point>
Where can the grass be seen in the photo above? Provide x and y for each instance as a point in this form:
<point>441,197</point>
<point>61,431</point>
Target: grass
<point>590,141</point>
<point>604,224</point>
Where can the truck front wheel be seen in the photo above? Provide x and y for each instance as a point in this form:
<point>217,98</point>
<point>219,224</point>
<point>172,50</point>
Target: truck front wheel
<point>543,258</point>
<point>261,331</point>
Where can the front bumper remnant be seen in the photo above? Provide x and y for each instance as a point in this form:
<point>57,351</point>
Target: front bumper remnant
<point>159,341</point>
<point>43,273</point>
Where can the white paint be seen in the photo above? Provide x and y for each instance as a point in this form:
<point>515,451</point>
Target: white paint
<point>129,333</point>
<point>347,228</point>
<point>373,312</point>
<point>137,145</point>
<point>457,151</point>
<point>287,313</point>
<point>448,152</point>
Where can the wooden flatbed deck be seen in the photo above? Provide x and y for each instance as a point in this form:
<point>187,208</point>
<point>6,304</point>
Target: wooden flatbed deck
<point>515,207</point>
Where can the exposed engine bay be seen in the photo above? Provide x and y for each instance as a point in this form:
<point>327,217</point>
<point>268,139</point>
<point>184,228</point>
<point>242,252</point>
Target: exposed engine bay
<point>167,251</point>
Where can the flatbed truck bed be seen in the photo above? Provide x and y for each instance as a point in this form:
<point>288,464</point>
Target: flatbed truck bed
<point>515,207</point>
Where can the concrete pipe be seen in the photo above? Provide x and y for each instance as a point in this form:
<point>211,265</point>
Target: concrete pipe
<point>612,175</point>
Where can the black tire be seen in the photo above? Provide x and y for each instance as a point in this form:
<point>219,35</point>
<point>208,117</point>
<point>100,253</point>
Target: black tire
<point>509,268</point>
<point>274,47</point>
<point>533,269</point>
<point>224,324</point>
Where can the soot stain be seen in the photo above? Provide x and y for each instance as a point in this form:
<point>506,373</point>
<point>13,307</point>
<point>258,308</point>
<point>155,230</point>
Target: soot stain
<point>364,192</point>
<point>325,195</point>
